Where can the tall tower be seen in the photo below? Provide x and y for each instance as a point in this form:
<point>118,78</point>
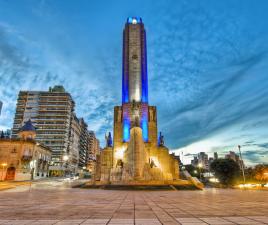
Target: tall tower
<point>135,81</point>
<point>135,154</point>
<point>135,84</point>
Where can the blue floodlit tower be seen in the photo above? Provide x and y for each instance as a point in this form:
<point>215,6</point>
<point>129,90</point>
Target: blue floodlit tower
<point>135,80</point>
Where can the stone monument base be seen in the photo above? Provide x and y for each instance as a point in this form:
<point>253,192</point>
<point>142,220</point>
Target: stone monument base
<point>146,185</point>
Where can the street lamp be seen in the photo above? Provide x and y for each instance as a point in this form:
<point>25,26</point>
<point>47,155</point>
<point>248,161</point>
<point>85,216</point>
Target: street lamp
<point>242,164</point>
<point>200,167</point>
<point>3,166</point>
<point>65,158</point>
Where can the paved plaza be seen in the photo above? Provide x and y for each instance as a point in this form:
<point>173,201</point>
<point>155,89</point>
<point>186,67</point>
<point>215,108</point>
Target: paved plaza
<point>54,203</point>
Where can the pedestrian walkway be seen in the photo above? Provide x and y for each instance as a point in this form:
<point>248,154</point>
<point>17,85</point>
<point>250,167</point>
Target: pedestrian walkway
<point>42,205</point>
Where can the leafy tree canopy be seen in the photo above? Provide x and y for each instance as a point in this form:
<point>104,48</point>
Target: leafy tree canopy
<point>226,170</point>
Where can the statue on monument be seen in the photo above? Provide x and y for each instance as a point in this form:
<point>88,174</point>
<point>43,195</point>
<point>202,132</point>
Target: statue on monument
<point>161,139</point>
<point>109,142</point>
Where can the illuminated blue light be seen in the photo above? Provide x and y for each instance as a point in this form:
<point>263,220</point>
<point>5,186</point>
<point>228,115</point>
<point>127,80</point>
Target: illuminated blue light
<point>125,89</point>
<point>144,127</point>
<point>134,20</point>
<point>144,74</point>
<point>126,130</point>
<point>125,85</point>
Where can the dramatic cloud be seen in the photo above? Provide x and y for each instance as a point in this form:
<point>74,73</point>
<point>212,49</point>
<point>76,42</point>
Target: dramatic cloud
<point>207,66</point>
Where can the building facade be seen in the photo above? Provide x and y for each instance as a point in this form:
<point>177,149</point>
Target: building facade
<point>203,161</point>
<point>24,158</point>
<point>235,157</point>
<point>83,145</point>
<point>93,151</point>
<point>74,156</point>
<point>52,113</point>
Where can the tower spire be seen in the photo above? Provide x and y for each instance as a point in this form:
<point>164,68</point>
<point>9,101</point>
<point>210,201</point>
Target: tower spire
<point>135,81</point>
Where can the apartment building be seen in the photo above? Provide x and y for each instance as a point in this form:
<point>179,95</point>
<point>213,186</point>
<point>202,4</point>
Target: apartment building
<point>93,150</point>
<point>57,127</point>
<point>51,113</point>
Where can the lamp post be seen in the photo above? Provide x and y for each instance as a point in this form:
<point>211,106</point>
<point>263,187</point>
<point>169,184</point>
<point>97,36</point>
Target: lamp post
<point>242,164</point>
<point>3,166</point>
<point>200,167</point>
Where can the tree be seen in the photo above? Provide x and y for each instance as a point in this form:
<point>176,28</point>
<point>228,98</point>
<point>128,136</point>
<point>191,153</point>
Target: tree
<point>261,172</point>
<point>250,174</point>
<point>191,170</point>
<point>226,170</point>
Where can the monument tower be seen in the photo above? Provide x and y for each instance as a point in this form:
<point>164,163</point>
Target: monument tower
<point>135,155</point>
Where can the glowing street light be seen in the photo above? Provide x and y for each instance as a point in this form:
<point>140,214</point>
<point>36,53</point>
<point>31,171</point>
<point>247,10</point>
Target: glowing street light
<point>65,158</point>
<point>200,165</point>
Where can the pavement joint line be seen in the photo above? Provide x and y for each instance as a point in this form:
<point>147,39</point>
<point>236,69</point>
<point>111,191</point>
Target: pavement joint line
<point>255,220</point>
<point>133,199</point>
<point>117,209</point>
<point>235,217</point>
<point>152,209</point>
<point>193,216</point>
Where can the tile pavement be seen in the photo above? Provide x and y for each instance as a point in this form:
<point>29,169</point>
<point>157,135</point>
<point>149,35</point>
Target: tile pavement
<point>42,206</point>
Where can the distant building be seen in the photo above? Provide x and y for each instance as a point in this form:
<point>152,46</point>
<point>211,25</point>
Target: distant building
<point>202,160</point>
<point>216,155</point>
<point>52,113</point>
<point>73,147</point>
<point>83,144</point>
<point>93,150</point>
<point>194,161</point>
<point>24,158</point>
<point>232,155</point>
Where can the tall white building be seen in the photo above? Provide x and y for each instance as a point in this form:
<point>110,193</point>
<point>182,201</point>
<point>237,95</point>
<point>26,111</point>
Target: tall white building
<point>52,113</point>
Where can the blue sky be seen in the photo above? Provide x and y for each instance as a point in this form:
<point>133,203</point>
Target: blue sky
<point>207,65</point>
